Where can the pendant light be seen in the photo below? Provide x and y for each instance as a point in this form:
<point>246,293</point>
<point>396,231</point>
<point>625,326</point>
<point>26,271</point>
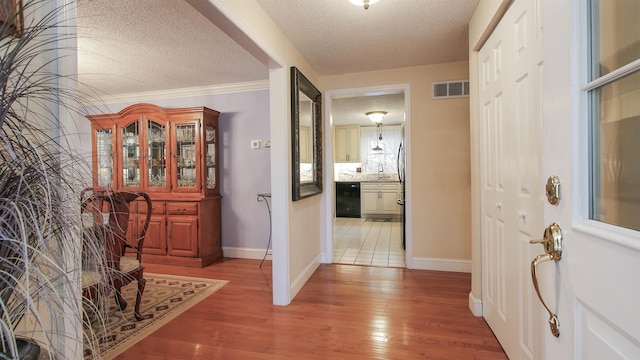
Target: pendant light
<point>379,129</point>
<point>364,3</point>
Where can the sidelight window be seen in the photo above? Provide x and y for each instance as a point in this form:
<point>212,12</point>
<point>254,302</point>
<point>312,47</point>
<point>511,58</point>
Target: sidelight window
<point>614,98</point>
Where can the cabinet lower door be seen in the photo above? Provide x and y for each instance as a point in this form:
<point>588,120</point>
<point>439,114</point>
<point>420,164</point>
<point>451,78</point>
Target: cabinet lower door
<point>369,202</point>
<point>389,203</point>
<point>156,240</point>
<point>183,236</point>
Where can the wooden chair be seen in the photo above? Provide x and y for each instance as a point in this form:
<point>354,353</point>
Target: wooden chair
<point>110,219</point>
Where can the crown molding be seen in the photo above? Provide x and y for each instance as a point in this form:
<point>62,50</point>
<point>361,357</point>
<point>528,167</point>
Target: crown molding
<point>179,93</point>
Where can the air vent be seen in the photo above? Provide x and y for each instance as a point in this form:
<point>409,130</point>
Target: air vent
<point>450,89</point>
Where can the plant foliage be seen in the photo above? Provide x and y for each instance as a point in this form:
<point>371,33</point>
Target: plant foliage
<point>40,174</point>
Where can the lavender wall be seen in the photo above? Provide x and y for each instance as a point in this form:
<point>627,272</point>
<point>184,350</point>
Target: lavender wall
<point>244,172</point>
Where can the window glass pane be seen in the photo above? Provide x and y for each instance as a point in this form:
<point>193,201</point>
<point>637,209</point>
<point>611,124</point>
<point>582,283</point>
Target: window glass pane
<point>210,156</point>
<point>131,155</point>
<point>186,153</point>
<point>616,153</point>
<point>104,157</point>
<point>615,34</point>
<point>156,154</point>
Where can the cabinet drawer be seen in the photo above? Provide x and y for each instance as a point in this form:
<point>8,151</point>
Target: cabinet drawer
<point>369,186</point>
<point>389,186</point>
<point>182,208</point>
<point>157,207</point>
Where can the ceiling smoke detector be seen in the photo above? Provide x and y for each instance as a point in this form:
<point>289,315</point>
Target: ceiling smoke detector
<point>364,3</point>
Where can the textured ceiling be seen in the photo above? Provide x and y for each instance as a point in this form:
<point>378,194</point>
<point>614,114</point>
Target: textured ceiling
<point>145,45</point>
<point>150,45</point>
<point>351,110</point>
<point>337,37</point>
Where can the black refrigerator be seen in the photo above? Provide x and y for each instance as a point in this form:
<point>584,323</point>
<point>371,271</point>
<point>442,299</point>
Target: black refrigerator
<point>401,165</point>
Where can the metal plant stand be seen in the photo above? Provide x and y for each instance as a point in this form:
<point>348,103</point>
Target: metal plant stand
<point>263,198</point>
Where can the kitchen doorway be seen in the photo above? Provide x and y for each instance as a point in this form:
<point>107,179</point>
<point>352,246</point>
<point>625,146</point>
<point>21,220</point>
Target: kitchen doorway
<point>366,166</point>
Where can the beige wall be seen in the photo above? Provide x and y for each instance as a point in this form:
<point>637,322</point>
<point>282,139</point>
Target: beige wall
<point>439,163</point>
<point>296,225</point>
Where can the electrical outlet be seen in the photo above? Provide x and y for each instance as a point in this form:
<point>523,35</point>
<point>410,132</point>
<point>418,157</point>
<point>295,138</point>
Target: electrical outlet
<point>255,144</point>
<point>266,143</point>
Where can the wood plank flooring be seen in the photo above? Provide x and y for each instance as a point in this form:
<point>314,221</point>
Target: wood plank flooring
<point>343,312</point>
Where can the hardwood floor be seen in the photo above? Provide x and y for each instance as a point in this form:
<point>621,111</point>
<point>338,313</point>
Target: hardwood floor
<point>343,312</point>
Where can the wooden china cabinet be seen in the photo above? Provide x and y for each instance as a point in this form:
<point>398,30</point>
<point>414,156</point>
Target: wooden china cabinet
<point>172,155</point>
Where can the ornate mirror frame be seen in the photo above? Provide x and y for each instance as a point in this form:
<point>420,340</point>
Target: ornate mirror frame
<point>306,109</point>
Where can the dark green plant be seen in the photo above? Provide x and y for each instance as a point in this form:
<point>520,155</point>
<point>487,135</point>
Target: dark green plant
<point>40,177</point>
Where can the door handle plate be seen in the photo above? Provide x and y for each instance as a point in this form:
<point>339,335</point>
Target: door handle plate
<point>553,190</point>
<point>553,243</point>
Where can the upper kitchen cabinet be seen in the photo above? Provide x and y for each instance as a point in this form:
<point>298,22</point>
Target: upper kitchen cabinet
<point>347,143</point>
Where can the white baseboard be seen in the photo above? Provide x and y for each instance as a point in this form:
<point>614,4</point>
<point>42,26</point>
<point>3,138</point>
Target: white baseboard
<point>301,279</point>
<point>454,265</point>
<point>245,253</point>
<point>475,305</point>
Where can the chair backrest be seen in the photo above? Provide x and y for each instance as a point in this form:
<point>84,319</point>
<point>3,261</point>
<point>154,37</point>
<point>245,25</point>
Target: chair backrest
<point>111,210</point>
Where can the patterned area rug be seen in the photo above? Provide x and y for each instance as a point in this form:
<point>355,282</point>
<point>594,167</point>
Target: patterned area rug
<point>164,298</point>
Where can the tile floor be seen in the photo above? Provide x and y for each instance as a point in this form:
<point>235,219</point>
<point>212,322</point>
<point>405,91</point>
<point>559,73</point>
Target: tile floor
<point>361,242</point>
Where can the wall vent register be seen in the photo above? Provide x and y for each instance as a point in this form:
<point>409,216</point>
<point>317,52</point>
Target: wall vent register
<point>450,89</point>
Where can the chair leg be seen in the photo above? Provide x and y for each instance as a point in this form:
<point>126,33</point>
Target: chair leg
<point>117,294</point>
<point>141,284</point>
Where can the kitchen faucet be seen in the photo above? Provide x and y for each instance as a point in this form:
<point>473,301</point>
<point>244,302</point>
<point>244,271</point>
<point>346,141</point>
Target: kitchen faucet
<point>380,170</point>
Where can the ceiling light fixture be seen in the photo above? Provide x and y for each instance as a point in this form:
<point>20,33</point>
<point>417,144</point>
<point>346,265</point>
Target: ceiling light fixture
<point>364,3</point>
<point>376,116</point>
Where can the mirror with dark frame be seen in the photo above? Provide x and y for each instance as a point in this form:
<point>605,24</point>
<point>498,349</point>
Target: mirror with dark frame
<point>306,136</point>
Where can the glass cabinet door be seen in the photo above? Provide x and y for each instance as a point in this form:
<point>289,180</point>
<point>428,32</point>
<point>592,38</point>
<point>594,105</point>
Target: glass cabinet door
<point>186,156</point>
<point>131,155</point>
<point>156,154</point>
<point>210,156</point>
<point>104,157</point>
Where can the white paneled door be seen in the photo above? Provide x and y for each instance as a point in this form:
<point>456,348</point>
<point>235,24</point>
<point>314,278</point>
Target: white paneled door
<point>537,118</point>
<point>510,70</point>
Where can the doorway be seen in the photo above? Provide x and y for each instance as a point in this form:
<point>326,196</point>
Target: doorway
<point>366,159</point>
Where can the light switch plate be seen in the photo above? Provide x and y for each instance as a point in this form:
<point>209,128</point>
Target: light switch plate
<point>266,143</point>
<point>255,144</point>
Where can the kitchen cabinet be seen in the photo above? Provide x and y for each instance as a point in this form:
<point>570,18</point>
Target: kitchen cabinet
<point>379,198</point>
<point>172,155</point>
<point>347,144</point>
